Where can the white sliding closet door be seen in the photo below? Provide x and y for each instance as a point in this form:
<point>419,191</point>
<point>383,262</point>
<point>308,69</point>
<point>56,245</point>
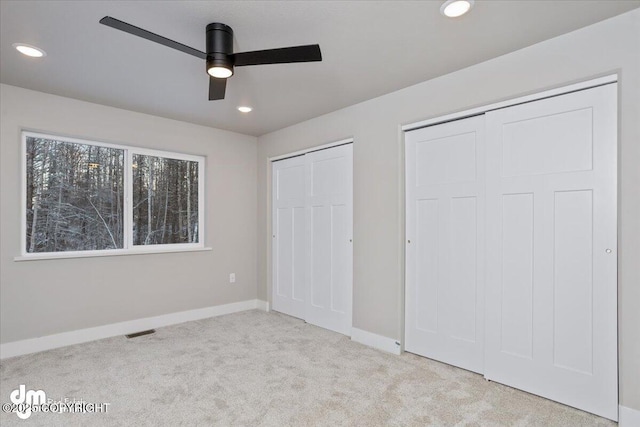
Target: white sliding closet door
<point>329,187</point>
<point>312,237</point>
<point>445,242</point>
<point>551,249</point>
<point>289,236</point>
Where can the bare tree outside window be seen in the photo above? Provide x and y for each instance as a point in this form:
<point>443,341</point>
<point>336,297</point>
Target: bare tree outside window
<point>93,198</point>
<point>75,196</point>
<point>165,200</point>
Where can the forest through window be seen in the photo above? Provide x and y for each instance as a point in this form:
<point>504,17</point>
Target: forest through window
<point>79,196</point>
<point>165,200</point>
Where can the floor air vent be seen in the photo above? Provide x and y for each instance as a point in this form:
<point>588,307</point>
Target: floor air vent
<point>141,333</point>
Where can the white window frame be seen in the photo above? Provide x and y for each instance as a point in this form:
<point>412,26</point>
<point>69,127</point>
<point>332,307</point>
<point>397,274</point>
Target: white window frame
<point>128,247</point>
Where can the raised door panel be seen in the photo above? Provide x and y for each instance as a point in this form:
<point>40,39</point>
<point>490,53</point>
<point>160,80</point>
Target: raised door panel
<point>445,238</point>
<point>551,244</point>
<point>329,201</point>
<point>289,236</point>
<point>517,234</point>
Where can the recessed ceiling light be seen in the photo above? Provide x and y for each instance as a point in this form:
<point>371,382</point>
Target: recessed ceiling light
<point>455,8</point>
<point>244,109</point>
<point>29,50</point>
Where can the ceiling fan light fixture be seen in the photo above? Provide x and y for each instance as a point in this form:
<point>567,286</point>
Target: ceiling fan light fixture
<point>219,65</point>
<point>455,8</point>
<point>29,50</point>
<point>220,72</point>
<point>220,58</point>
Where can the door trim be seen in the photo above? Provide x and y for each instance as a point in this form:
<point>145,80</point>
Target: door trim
<point>311,149</point>
<point>563,90</point>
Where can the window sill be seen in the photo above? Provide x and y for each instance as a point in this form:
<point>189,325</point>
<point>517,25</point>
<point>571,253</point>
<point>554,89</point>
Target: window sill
<point>106,252</point>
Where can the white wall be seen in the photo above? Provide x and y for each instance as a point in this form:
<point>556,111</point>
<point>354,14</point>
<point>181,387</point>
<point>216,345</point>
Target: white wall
<point>601,49</point>
<point>50,296</point>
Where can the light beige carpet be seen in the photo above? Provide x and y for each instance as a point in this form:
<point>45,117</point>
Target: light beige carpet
<point>267,369</point>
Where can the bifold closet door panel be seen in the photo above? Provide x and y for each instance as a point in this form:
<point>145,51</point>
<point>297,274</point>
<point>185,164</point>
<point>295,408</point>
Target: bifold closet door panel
<point>329,204</point>
<point>289,236</point>
<point>444,299</point>
<point>551,285</point>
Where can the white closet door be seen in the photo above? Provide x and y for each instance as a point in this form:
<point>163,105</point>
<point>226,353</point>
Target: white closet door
<point>551,249</point>
<point>445,242</point>
<point>289,236</point>
<point>329,178</point>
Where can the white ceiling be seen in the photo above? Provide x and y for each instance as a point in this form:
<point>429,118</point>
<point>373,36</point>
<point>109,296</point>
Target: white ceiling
<point>369,49</point>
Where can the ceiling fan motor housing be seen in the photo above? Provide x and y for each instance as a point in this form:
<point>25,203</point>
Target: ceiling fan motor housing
<point>219,46</point>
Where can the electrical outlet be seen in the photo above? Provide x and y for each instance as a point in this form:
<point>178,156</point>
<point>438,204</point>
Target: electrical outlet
<point>232,278</point>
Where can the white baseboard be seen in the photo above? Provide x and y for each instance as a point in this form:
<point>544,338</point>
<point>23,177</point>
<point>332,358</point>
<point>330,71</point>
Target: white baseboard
<point>263,305</point>
<point>628,417</point>
<point>34,345</point>
<point>376,341</point>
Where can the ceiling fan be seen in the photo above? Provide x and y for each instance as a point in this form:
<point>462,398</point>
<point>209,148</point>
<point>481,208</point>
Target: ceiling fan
<point>219,56</point>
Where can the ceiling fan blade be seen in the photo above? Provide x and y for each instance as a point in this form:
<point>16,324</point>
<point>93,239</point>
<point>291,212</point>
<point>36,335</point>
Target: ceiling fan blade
<point>136,31</point>
<point>284,55</point>
<point>217,88</point>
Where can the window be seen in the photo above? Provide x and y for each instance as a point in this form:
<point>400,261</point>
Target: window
<point>165,200</point>
<point>88,198</point>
